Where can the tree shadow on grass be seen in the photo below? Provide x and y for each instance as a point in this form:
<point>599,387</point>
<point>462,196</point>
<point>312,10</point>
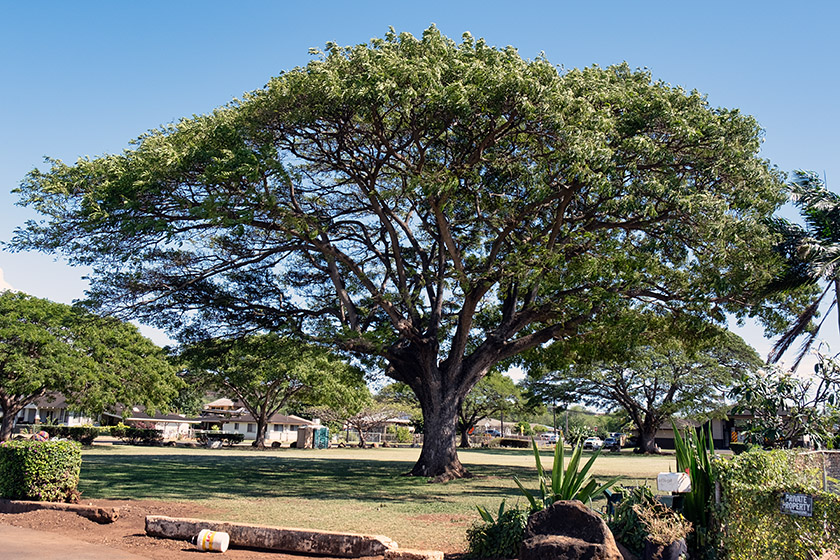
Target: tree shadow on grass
<point>189,477</point>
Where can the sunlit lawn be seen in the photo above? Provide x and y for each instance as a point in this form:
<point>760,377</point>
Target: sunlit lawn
<point>335,489</point>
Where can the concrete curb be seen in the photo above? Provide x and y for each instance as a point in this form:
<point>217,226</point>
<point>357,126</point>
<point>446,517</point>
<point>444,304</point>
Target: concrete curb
<point>94,513</point>
<point>303,541</point>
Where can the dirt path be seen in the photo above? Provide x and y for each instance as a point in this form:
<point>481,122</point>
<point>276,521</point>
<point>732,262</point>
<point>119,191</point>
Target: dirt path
<point>128,532</point>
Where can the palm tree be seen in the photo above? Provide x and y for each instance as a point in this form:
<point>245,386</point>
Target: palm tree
<point>813,254</point>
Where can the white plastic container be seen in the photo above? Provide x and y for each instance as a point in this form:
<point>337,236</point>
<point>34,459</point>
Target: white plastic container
<point>212,541</point>
<point>678,482</point>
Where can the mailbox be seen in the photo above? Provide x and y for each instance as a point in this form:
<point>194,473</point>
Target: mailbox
<point>678,482</point>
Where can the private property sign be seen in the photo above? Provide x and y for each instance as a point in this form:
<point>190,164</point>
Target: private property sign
<point>798,504</point>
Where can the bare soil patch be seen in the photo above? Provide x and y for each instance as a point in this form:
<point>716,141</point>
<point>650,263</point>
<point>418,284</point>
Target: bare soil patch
<point>129,532</point>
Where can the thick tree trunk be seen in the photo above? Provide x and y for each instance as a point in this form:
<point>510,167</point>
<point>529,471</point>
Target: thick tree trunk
<point>10,411</point>
<point>647,442</point>
<point>6,426</point>
<point>262,424</point>
<point>439,456</point>
<point>465,439</point>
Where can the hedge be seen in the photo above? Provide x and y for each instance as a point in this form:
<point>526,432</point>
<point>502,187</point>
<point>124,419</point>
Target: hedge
<point>46,471</point>
<point>752,525</point>
<point>137,436</point>
<point>512,442</point>
<point>229,438</point>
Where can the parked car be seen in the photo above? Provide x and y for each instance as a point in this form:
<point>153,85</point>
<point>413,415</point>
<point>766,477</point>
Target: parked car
<point>612,443</point>
<point>594,443</point>
<point>550,438</point>
<point>493,433</point>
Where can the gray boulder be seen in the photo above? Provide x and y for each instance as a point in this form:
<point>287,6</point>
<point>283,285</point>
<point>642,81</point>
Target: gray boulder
<point>568,530</point>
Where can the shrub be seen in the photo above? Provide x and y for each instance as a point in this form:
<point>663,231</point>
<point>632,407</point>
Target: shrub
<point>497,538</point>
<point>40,470</point>
<point>563,483</point>
<point>137,436</point>
<point>404,435</point>
<point>578,433</point>
<point>511,442</point>
<point>662,524</point>
<point>524,428</point>
<point>695,452</point>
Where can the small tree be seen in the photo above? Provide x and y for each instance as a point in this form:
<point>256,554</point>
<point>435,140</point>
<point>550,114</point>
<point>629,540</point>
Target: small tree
<point>660,371</point>
<point>494,393</point>
<point>267,371</point>
<point>360,412</point>
<point>94,362</point>
<point>786,409</point>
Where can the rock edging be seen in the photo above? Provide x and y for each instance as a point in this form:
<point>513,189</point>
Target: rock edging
<point>94,513</point>
<point>304,541</point>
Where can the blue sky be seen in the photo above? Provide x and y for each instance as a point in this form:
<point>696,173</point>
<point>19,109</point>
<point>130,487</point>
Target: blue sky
<point>84,78</point>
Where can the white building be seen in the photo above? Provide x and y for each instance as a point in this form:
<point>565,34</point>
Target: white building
<point>281,428</point>
<point>52,408</point>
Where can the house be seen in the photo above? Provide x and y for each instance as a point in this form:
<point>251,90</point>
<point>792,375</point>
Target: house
<point>172,426</point>
<point>378,427</point>
<point>52,409</point>
<point>280,428</point>
<point>722,430</point>
<point>231,416</point>
<point>495,427</point>
<point>223,407</point>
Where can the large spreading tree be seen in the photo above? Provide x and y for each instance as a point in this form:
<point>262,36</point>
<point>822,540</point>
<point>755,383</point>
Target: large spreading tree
<point>95,362</point>
<point>437,206</point>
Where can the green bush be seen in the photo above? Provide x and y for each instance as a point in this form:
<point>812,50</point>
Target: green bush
<point>695,451</point>
<point>46,471</point>
<point>511,442</point>
<point>227,438</point>
<point>497,538</point>
<point>137,436</point>
<point>404,435</point>
<point>83,434</point>
<point>753,526</point>
<point>563,482</point>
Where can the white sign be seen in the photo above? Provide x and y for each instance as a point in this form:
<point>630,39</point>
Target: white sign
<point>673,482</point>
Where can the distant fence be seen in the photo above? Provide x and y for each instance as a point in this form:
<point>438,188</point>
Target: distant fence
<point>828,465</point>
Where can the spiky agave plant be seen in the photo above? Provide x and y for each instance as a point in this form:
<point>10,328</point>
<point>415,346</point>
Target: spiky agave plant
<point>564,483</point>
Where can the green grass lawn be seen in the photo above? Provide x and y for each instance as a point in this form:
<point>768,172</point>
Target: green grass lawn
<point>336,489</point>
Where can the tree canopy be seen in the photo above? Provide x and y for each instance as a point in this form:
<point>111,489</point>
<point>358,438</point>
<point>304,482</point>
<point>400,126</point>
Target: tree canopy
<point>94,362</point>
<point>438,206</point>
